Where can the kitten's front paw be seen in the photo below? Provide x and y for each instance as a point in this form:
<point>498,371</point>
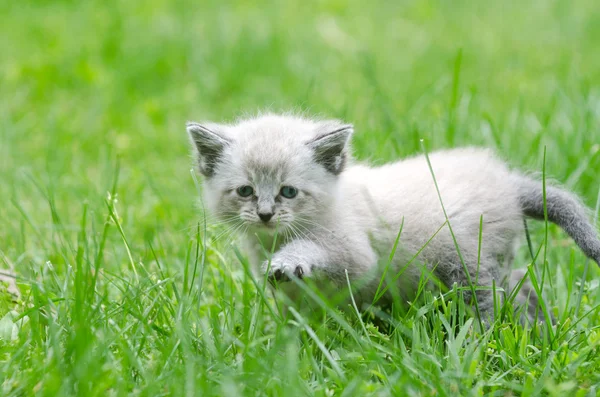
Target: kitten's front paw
<point>282,269</point>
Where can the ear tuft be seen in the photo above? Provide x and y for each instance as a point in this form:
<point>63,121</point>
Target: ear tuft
<point>209,143</point>
<point>331,146</point>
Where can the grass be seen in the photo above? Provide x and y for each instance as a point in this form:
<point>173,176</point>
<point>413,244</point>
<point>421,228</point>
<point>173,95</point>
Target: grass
<point>122,290</point>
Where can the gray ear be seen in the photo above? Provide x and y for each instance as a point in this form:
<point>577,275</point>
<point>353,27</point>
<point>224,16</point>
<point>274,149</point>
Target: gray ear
<point>331,146</point>
<point>209,143</point>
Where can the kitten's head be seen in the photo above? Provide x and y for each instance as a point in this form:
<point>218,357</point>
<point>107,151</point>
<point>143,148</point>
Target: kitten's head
<point>272,171</point>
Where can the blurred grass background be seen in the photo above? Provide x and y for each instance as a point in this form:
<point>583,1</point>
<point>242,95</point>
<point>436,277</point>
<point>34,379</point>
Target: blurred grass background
<point>89,85</point>
<point>86,83</point>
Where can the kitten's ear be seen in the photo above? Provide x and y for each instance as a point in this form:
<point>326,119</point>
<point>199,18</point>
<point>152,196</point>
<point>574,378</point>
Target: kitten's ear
<point>331,145</point>
<point>209,143</point>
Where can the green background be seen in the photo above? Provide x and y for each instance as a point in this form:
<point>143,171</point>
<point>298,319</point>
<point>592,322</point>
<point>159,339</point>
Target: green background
<point>89,88</point>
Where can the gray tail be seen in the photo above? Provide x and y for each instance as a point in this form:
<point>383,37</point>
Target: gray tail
<point>564,209</point>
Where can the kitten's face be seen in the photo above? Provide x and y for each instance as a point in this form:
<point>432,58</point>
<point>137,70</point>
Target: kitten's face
<point>271,173</point>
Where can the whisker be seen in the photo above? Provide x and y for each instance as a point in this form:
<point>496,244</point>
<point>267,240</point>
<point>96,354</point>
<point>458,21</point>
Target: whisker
<point>233,234</point>
<point>314,238</point>
<point>213,221</point>
<point>311,222</point>
<point>228,230</point>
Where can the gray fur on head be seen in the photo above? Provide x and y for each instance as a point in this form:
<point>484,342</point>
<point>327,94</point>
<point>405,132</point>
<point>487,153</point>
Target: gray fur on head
<point>268,153</point>
<point>330,146</point>
<point>209,143</point>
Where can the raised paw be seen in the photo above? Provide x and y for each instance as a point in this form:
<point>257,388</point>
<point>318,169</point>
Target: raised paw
<point>282,270</point>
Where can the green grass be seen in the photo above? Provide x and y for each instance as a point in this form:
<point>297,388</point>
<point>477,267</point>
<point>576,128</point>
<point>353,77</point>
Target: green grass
<point>127,292</point>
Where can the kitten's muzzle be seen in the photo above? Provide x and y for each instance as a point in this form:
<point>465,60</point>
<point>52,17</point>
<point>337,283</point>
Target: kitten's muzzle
<point>265,216</point>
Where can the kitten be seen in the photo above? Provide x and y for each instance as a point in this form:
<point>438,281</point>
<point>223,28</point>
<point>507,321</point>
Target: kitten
<point>336,219</point>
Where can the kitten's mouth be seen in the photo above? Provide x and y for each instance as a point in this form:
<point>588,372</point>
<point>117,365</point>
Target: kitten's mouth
<point>271,226</point>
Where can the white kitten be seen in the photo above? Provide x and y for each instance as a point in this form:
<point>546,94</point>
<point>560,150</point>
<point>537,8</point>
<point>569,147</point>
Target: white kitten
<point>294,175</point>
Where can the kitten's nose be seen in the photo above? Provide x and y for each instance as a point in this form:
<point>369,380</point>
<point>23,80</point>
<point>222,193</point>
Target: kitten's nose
<point>265,217</point>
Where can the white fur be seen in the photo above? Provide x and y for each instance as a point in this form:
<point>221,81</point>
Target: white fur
<point>348,222</point>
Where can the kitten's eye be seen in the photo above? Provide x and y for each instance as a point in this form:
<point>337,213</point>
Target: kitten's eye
<point>245,191</point>
<point>289,192</point>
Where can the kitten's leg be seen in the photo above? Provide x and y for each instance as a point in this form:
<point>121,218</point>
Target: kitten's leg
<point>493,269</point>
<point>298,258</point>
<point>526,297</point>
<point>490,270</point>
<point>328,257</point>
<point>482,277</point>
<point>485,294</point>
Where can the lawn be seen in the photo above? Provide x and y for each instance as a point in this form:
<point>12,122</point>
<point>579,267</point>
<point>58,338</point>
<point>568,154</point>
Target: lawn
<point>121,288</point>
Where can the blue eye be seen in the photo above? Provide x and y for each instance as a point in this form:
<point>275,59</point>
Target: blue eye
<point>289,192</point>
<point>245,191</point>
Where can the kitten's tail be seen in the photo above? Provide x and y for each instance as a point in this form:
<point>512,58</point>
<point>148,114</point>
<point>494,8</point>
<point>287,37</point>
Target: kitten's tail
<point>564,209</point>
